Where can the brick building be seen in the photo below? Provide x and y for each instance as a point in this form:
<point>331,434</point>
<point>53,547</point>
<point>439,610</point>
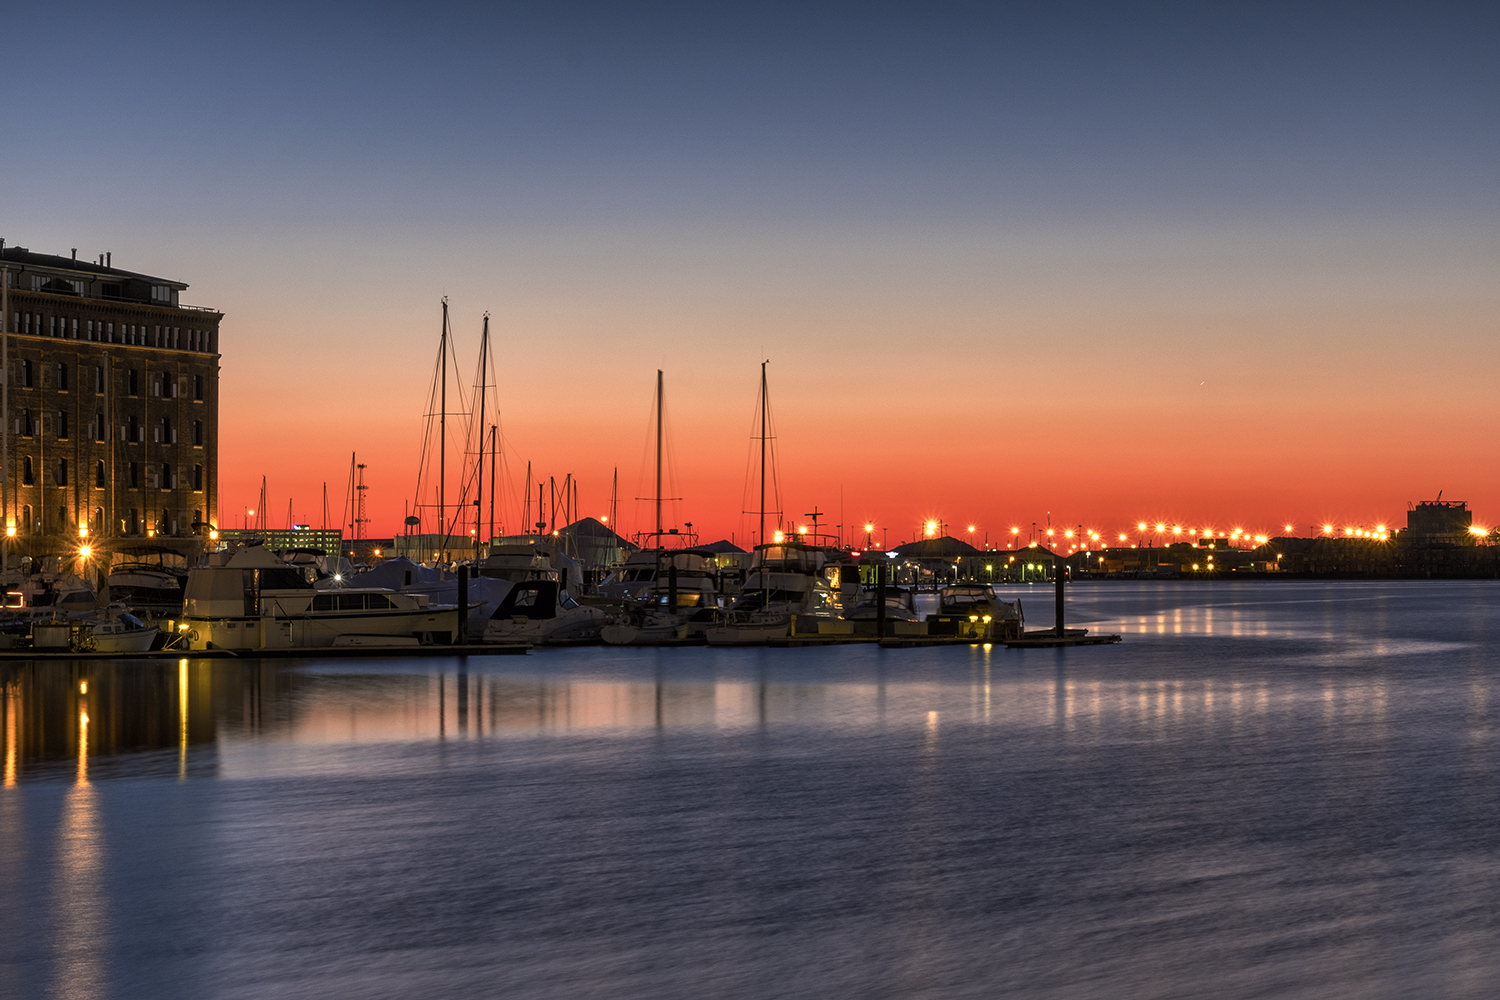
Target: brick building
<point>113,404</point>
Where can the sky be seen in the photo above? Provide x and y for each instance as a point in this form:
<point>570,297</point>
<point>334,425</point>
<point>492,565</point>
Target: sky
<point>1213,265</point>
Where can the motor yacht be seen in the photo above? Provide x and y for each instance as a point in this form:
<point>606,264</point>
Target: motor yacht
<point>791,586</point>
<point>251,599</point>
<point>543,613</point>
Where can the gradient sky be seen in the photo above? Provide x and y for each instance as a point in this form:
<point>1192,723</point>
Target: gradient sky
<point>1108,261</point>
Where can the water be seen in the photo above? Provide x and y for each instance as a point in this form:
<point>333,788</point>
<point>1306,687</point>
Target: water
<point>1269,790</point>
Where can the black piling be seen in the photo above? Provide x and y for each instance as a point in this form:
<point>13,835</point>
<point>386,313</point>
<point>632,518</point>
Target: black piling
<point>880,600</point>
<point>672,587</point>
<point>1060,572</point>
<point>462,637</point>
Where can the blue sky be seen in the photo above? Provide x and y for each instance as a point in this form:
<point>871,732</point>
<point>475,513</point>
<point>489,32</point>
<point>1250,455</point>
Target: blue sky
<point>1163,188</point>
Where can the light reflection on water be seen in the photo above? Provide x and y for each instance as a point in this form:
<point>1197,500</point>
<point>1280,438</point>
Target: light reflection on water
<point>1279,789</point>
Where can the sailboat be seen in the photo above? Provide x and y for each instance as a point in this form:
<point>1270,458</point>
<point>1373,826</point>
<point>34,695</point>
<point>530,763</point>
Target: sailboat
<point>665,594</point>
<point>787,585</point>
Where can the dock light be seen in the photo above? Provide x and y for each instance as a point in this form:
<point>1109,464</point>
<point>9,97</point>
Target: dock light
<point>801,529</point>
<point>1122,536</point>
<point>83,687</point>
<point>986,619</point>
<point>377,552</point>
<point>85,550</point>
<point>1049,532</point>
<point>83,531</point>
<point>604,520</point>
<point>1327,529</point>
<point>1176,531</point>
<point>973,618</point>
<point>1141,526</point>
<point>10,531</point>
<point>869,528</point>
<point>932,528</point>
<point>1195,566</point>
<point>779,537</point>
<point>213,536</point>
<point>971,529</point>
<point>1288,527</point>
<point>1068,533</point>
<point>1161,527</point>
<point>1015,531</point>
<point>183,627</point>
<point>1477,531</point>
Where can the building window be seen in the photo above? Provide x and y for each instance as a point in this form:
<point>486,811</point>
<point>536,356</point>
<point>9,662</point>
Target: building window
<point>75,327</point>
<point>197,433</point>
<point>130,428</point>
<point>62,424</point>
<point>96,523</point>
<point>89,330</point>
<point>62,517</point>
<point>133,382</point>
<point>197,479</point>
<point>134,474</point>
<point>167,436</point>
<point>156,386</point>
<point>24,425</point>
<point>99,428</point>
<point>197,386</point>
<point>28,472</point>
<point>62,472</point>
<point>26,519</point>
<point>166,477</point>
<point>28,374</point>
<point>111,334</point>
<point>132,522</point>
<point>62,378</point>
<point>99,379</point>
<point>99,478</point>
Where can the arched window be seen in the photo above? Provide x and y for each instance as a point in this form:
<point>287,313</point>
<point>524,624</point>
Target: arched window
<point>28,472</point>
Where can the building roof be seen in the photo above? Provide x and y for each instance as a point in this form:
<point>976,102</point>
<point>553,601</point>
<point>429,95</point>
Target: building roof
<point>723,545</point>
<point>937,548</point>
<point>27,258</point>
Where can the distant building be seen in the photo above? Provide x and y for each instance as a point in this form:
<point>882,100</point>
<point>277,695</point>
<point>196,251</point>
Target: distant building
<point>1439,522</point>
<point>113,403</point>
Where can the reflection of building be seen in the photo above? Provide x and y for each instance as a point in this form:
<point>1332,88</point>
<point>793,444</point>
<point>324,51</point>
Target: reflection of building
<point>1439,522</point>
<point>114,389</point>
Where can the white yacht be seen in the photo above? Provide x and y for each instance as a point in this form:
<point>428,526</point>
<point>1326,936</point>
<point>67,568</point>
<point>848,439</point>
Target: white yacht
<point>251,599</point>
<point>790,588</point>
<point>542,613</point>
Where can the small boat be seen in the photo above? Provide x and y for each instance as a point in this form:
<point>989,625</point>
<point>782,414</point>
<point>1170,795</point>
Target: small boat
<point>118,632</point>
<point>977,599</point>
<point>543,613</point>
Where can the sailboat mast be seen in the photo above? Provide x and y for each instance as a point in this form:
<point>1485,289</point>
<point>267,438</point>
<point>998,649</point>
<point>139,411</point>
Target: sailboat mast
<point>484,350</point>
<point>658,456</point>
<point>763,452</point>
<point>526,505</point>
<point>443,428</point>
<point>492,478</point>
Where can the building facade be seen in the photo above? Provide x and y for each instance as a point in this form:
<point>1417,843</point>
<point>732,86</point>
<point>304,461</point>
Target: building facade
<point>112,390</point>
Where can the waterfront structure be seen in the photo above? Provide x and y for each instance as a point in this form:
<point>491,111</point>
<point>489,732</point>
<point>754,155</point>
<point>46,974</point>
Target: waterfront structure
<point>1439,522</point>
<point>111,403</point>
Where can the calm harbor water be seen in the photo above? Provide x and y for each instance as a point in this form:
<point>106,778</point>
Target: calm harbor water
<point>1268,790</point>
